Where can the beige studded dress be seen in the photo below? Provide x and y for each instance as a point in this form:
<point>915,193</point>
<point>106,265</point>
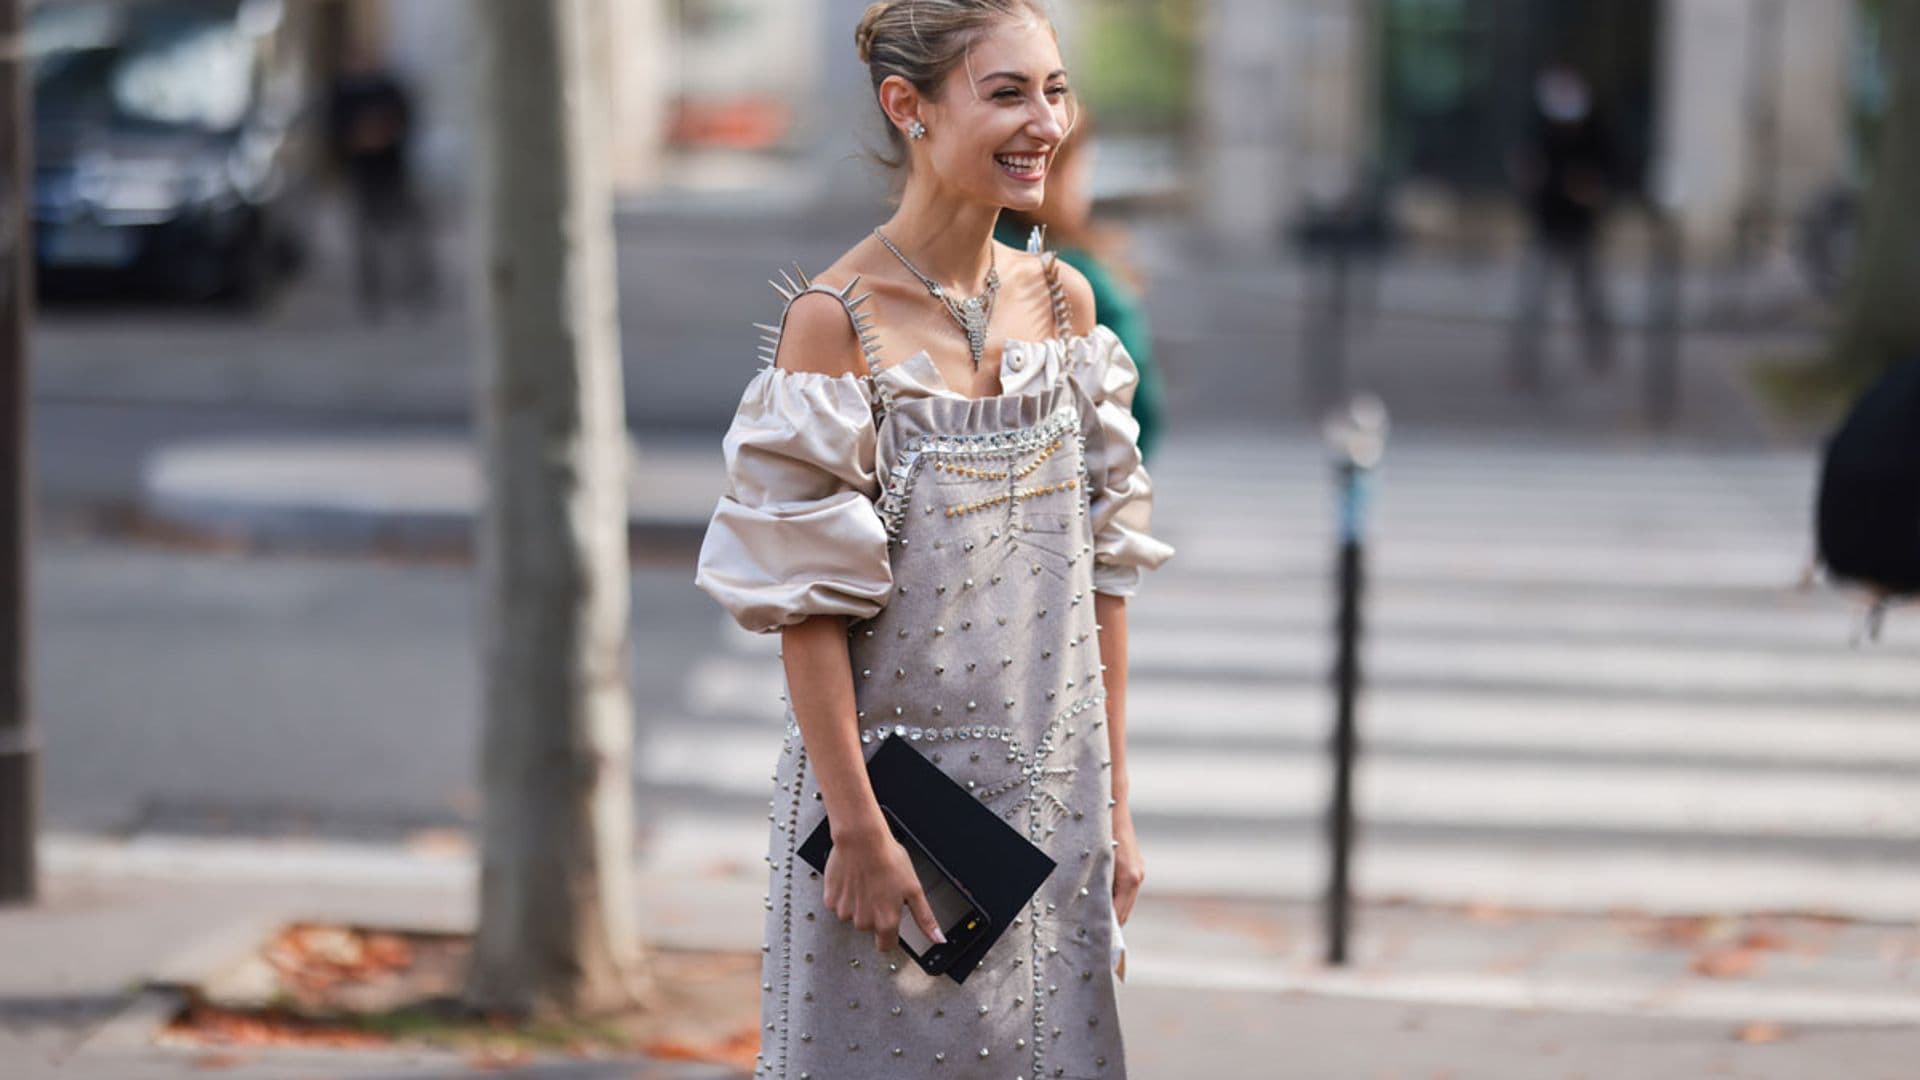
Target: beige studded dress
<point>964,539</point>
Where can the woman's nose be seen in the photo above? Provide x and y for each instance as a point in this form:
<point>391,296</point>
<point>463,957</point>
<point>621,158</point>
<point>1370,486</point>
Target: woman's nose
<point>1046,124</point>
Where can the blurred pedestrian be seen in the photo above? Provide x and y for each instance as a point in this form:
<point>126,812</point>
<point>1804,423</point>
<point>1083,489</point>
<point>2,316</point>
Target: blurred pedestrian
<point>935,496</point>
<point>1565,174</point>
<point>1097,250</point>
<point>371,122</point>
<point>1867,514</point>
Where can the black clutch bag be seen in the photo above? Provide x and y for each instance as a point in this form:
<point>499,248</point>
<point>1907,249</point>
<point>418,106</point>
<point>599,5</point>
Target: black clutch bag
<point>993,868</point>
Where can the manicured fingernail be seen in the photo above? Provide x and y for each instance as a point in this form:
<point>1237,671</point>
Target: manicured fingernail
<point>938,936</point>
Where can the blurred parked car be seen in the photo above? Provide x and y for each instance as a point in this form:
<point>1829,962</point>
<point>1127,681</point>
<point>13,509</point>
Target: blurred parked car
<point>171,145</point>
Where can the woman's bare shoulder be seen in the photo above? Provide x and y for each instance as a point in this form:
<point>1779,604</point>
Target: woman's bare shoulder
<point>1079,296</point>
<point>817,334</point>
<point>1074,288</point>
<point>826,326</point>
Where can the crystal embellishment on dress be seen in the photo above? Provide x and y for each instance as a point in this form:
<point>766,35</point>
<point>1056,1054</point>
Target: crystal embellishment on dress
<point>1064,420</point>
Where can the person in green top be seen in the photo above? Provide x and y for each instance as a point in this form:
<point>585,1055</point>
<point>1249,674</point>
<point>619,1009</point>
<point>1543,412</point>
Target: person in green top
<point>1094,250</point>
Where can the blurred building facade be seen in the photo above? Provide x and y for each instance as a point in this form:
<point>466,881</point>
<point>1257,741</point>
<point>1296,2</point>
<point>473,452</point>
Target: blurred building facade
<point>1729,113</point>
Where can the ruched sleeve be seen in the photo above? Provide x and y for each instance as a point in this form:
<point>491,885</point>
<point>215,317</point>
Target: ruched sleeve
<point>797,532</point>
<point>1121,502</point>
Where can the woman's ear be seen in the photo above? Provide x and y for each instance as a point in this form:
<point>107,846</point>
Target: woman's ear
<point>901,101</point>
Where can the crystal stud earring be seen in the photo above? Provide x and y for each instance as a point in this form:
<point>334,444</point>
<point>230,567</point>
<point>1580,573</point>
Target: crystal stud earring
<point>916,130</point>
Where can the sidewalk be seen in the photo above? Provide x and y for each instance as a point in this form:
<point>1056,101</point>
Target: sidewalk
<point>387,492</point>
<point>1216,988</point>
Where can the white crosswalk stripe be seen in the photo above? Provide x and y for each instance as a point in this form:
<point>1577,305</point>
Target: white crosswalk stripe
<point>1592,684</point>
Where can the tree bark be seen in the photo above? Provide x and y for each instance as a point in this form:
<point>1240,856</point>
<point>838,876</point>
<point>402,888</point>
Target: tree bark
<point>19,741</point>
<point>1880,323</point>
<point>557,933</point>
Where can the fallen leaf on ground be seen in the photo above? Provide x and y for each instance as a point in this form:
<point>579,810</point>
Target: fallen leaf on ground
<point>1491,914</point>
<point>442,843</point>
<point>741,1049</point>
<point>1735,963</point>
<point>499,1057</point>
<point>1765,938</point>
<point>1760,1032</point>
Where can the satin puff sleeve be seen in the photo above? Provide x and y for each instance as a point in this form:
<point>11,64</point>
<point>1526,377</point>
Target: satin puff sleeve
<point>1121,501</point>
<point>797,532</point>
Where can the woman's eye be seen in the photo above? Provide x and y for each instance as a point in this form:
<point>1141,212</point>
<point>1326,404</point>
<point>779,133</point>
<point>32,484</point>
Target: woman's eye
<point>1008,94</point>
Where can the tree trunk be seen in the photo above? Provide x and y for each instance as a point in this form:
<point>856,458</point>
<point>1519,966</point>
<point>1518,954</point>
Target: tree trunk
<point>1880,324</point>
<point>19,742</point>
<point>556,932</point>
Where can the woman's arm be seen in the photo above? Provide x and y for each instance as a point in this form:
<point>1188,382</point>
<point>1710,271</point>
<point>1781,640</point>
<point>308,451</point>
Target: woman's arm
<point>1111,613</point>
<point>818,337</point>
<point>869,875</point>
<point>820,689</point>
<point>1129,871</point>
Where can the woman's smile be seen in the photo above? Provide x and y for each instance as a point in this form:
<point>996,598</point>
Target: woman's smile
<point>1026,168</point>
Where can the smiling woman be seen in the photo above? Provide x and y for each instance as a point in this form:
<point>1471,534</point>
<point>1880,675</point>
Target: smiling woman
<point>936,497</point>
<point>939,37</point>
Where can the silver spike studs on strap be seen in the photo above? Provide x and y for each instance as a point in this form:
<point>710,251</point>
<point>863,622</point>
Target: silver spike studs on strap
<point>790,290</point>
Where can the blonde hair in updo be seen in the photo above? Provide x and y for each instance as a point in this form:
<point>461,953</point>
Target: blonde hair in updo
<point>922,40</point>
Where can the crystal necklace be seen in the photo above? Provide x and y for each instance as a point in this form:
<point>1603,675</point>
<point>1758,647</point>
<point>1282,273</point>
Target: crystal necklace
<point>972,312</point>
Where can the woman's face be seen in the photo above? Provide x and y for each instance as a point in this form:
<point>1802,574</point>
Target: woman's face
<point>1000,116</point>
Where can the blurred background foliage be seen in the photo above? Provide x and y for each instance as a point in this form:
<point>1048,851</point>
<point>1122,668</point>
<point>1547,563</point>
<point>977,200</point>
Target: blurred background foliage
<point>1136,68</point>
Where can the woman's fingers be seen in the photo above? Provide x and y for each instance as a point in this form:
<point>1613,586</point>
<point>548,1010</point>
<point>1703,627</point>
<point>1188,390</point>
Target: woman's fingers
<point>876,898</point>
<point>923,915</point>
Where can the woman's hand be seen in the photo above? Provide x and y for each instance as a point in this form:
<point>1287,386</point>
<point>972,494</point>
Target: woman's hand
<point>1128,868</point>
<point>868,877</point>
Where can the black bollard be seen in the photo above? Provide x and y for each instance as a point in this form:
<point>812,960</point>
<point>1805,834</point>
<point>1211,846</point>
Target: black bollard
<point>1357,436</point>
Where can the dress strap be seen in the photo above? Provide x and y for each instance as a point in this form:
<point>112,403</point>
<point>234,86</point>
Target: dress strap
<point>1049,264</point>
<point>791,290</point>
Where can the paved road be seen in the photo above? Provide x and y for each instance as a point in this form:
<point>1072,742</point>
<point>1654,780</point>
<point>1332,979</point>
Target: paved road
<point>1586,658</point>
<point>1592,685</point>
